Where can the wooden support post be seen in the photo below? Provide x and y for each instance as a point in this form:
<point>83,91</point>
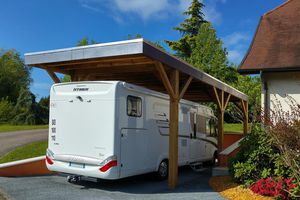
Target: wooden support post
<point>172,87</point>
<point>220,129</point>
<point>222,104</point>
<point>173,132</point>
<point>245,112</point>
<point>221,123</point>
<point>53,76</point>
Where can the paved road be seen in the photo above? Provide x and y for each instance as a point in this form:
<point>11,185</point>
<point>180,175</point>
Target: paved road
<point>192,185</point>
<point>11,140</point>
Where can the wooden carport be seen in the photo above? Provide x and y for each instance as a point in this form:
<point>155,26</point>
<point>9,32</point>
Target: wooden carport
<point>141,63</point>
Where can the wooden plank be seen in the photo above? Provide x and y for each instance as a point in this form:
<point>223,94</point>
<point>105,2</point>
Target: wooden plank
<point>107,65</point>
<point>221,130</point>
<point>90,61</point>
<point>165,79</point>
<point>173,134</point>
<point>227,101</point>
<point>245,124</point>
<point>218,98</point>
<point>221,121</point>
<point>185,87</point>
<point>53,76</point>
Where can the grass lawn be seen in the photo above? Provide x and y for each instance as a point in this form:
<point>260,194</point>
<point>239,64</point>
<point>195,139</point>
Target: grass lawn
<point>235,128</point>
<point>9,127</point>
<point>28,151</point>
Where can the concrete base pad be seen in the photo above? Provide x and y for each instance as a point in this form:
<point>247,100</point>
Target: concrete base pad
<point>220,171</point>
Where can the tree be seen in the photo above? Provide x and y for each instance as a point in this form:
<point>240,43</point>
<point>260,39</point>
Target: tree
<point>14,75</point>
<point>208,54</point>
<point>200,46</point>
<point>188,29</point>
<point>85,41</point>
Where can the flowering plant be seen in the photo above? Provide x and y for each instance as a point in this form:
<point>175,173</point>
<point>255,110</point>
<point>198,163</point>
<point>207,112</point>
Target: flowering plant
<point>281,188</point>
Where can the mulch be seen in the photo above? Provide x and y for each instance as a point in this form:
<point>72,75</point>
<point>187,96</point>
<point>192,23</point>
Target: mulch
<point>230,190</point>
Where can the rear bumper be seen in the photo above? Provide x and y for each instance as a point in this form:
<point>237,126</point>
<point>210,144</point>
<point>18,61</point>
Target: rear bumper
<point>89,170</point>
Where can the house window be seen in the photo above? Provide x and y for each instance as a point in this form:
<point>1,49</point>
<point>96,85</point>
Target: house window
<point>134,106</point>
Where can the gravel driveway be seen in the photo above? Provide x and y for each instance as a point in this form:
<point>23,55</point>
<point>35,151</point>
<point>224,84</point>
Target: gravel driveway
<point>11,140</point>
<point>192,185</point>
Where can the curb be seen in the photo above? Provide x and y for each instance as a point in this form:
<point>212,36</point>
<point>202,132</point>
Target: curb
<point>27,167</point>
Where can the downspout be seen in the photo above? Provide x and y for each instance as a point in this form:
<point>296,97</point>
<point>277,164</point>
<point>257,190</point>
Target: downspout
<point>266,98</point>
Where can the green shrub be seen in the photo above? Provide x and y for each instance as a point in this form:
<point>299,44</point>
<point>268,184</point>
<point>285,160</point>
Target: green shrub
<point>6,108</point>
<point>258,158</point>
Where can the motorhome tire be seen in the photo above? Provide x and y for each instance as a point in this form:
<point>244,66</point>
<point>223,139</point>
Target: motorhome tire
<point>163,170</point>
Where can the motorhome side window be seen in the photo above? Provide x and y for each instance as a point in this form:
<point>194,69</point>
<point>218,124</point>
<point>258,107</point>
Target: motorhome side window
<point>201,123</point>
<point>134,106</point>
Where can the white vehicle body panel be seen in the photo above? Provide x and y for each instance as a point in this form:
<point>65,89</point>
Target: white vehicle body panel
<point>89,123</point>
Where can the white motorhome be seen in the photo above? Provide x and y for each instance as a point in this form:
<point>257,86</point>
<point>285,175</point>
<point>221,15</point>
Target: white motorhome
<point>112,130</point>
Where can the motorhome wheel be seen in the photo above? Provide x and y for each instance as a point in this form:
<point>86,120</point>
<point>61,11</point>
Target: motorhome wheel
<point>163,169</point>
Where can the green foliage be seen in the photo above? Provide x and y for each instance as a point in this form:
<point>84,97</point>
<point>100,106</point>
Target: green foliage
<point>233,128</point>
<point>251,86</point>
<point>258,158</point>
<point>42,110</point>
<point>85,41</point>
<point>11,128</point>
<point>28,151</point>
<point>6,108</point>
<point>14,75</point>
<point>65,78</point>
<point>136,36</point>
<point>28,111</point>
<point>200,46</point>
<point>188,29</point>
<point>209,55</point>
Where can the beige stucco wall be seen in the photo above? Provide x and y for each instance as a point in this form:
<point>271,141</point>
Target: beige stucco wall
<point>280,85</point>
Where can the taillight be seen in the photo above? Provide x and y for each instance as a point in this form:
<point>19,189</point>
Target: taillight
<point>108,163</point>
<point>49,157</point>
<point>49,161</point>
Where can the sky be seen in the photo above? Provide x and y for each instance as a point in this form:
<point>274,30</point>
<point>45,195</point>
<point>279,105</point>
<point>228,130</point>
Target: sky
<point>38,25</point>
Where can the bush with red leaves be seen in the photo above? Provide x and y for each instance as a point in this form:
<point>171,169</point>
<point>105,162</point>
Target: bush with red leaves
<point>281,188</point>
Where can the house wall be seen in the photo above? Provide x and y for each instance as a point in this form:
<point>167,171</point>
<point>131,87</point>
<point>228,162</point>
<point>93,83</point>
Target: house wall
<point>277,87</point>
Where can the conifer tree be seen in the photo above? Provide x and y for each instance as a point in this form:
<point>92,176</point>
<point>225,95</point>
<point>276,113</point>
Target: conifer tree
<point>188,29</point>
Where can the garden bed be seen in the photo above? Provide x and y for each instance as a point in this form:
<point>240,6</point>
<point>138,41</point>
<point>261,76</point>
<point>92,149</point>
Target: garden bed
<point>230,190</point>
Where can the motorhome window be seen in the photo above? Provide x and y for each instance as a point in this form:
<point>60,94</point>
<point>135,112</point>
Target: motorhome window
<point>201,124</point>
<point>213,127</point>
<point>208,127</point>
<point>193,125</point>
<point>134,106</point>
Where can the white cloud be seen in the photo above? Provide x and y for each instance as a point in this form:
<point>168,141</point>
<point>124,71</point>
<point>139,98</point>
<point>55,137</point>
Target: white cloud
<point>235,56</point>
<point>210,11</point>
<point>145,8</point>
<point>150,9</point>
<point>235,38</point>
<point>183,5</point>
<point>236,44</point>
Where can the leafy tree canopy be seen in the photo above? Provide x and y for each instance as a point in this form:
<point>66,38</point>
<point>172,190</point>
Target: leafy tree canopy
<point>14,75</point>
<point>209,55</point>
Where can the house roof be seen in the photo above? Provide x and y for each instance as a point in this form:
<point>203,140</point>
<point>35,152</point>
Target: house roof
<point>276,43</point>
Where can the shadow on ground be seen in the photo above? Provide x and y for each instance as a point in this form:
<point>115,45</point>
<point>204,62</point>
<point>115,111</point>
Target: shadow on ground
<point>189,181</point>
<point>191,185</point>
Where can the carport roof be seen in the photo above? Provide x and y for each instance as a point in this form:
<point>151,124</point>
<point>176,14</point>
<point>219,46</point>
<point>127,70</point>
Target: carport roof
<point>132,61</point>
